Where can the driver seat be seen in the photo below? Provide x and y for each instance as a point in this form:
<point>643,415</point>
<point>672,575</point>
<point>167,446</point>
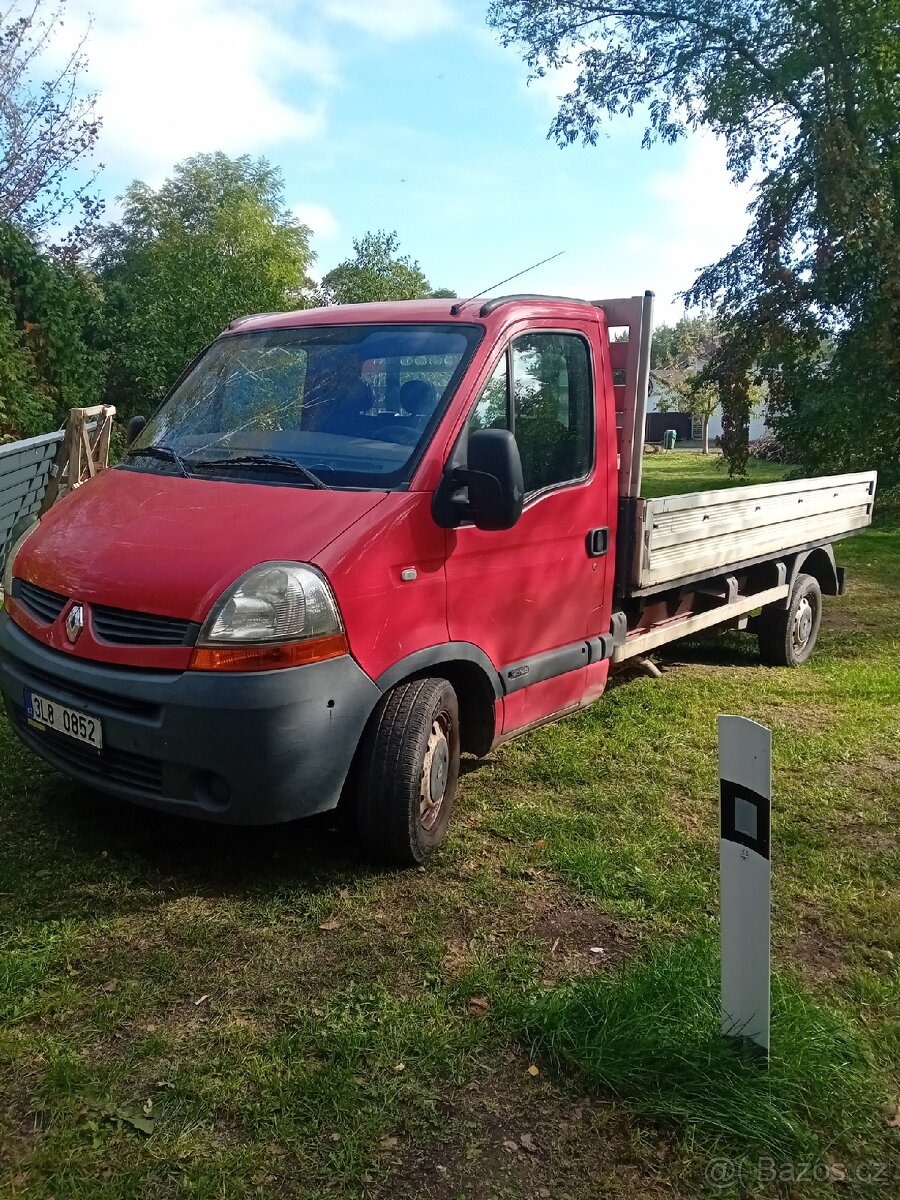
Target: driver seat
<point>348,413</point>
<point>418,398</point>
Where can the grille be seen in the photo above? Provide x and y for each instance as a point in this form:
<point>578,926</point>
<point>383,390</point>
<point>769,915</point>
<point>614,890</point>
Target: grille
<point>123,627</point>
<point>120,626</point>
<point>44,605</point>
<point>105,766</point>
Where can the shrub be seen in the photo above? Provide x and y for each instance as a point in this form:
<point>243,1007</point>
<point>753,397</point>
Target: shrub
<point>769,449</point>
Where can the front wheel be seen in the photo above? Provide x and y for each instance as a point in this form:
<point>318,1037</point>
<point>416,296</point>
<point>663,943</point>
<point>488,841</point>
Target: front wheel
<point>409,766</point>
<point>787,636</point>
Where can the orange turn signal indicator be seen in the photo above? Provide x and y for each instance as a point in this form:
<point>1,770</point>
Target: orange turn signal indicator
<point>272,657</point>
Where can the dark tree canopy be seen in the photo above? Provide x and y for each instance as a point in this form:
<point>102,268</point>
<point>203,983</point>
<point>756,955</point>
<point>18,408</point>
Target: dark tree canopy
<point>49,321</point>
<point>377,271</point>
<point>806,94</point>
<point>48,126</point>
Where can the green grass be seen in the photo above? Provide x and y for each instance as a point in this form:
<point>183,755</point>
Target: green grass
<point>815,1100</point>
<point>178,977</point>
<point>691,471</point>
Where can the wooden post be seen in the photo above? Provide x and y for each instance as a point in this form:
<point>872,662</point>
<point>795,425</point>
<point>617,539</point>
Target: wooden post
<point>82,453</point>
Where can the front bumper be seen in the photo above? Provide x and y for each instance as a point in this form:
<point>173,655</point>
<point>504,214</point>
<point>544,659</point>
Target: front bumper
<point>245,748</point>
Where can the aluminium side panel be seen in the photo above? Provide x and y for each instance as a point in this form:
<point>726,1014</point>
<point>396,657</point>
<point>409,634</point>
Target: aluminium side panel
<point>677,537</point>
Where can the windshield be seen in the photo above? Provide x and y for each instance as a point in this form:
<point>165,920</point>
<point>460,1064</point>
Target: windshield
<point>326,405</point>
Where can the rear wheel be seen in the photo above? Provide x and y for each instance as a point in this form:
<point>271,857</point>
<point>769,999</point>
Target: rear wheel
<point>408,770</point>
<point>787,636</point>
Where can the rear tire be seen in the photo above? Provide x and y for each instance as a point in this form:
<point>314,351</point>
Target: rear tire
<point>787,636</point>
<point>408,770</point>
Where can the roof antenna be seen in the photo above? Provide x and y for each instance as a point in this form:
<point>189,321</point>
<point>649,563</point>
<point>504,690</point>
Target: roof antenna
<point>456,309</point>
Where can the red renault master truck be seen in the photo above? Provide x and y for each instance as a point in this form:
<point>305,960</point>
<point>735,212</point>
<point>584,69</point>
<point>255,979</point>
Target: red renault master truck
<point>356,541</point>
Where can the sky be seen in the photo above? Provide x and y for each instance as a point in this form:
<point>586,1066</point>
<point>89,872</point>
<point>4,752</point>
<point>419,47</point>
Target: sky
<point>405,115</point>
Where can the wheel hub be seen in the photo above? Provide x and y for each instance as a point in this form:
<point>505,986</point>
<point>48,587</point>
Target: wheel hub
<point>803,623</point>
<point>435,770</point>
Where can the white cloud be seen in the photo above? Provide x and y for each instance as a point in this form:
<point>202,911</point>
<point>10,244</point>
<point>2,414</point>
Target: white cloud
<point>320,219</point>
<point>696,214</point>
<point>556,83</point>
<point>702,214</point>
<point>179,77</point>
<point>392,19</point>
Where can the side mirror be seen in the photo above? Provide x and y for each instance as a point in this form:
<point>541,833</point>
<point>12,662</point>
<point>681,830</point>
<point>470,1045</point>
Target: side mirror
<point>135,428</point>
<point>488,490</point>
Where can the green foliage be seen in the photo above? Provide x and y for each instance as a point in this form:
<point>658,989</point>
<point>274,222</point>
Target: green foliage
<point>807,99</point>
<point>213,243</point>
<point>684,345</point>
<point>377,271</point>
<point>49,317</point>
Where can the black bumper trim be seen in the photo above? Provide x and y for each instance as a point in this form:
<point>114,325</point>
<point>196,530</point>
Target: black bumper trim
<point>239,747</point>
<point>133,772</point>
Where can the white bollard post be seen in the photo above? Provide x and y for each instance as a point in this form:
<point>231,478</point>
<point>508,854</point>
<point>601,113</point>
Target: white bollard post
<point>745,786</point>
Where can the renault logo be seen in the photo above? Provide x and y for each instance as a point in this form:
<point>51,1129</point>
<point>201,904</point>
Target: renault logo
<point>75,623</point>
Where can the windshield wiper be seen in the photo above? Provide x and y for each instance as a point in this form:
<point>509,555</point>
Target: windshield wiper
<point>262,460</point>
<point>166,453</point>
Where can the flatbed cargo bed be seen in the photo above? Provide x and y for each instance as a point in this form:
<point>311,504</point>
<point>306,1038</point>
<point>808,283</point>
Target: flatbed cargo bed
<point>681,538</point>
<point>671,541</point>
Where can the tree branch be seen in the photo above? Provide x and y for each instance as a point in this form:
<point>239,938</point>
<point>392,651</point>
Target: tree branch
<point>599,12</point>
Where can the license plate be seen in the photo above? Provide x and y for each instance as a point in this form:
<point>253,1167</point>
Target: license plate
<point>47,714</point>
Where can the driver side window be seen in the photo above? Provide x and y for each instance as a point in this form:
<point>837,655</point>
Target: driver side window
<point>542,391</point>
<point>492,406</point>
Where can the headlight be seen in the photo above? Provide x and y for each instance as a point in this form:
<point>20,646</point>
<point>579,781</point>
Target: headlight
<point>19,534</point>
<point>274,602</point>
<point>279,614</point>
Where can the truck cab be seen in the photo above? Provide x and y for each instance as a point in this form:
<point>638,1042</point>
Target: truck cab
<point>351,544</point>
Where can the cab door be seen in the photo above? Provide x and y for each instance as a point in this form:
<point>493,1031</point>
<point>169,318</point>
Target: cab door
<point>528,595</point>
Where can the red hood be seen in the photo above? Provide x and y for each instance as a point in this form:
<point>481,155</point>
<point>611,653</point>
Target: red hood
<point>168,545</point>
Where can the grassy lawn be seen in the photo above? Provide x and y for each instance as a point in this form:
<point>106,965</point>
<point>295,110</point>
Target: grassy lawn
<point>191,1011</point>
<point>689,471</point>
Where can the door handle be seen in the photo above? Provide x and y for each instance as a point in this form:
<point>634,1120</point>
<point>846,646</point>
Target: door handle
<point>598,542</point>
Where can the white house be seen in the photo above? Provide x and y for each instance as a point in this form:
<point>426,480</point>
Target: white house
<point>690,428</point>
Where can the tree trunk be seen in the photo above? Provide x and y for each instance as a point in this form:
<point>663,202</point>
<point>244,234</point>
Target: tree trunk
<point>706,435</point>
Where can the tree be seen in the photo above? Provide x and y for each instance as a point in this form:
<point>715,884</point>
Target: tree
<point>48,128</point>
<point>213,243</point>
<point>679,356</point>
<point>806,94</point>
<point>377,272</point>
<point>49,316</point>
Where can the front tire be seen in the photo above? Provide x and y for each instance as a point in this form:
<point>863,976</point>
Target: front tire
<point>408,771</point>
<point>787,636</point>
